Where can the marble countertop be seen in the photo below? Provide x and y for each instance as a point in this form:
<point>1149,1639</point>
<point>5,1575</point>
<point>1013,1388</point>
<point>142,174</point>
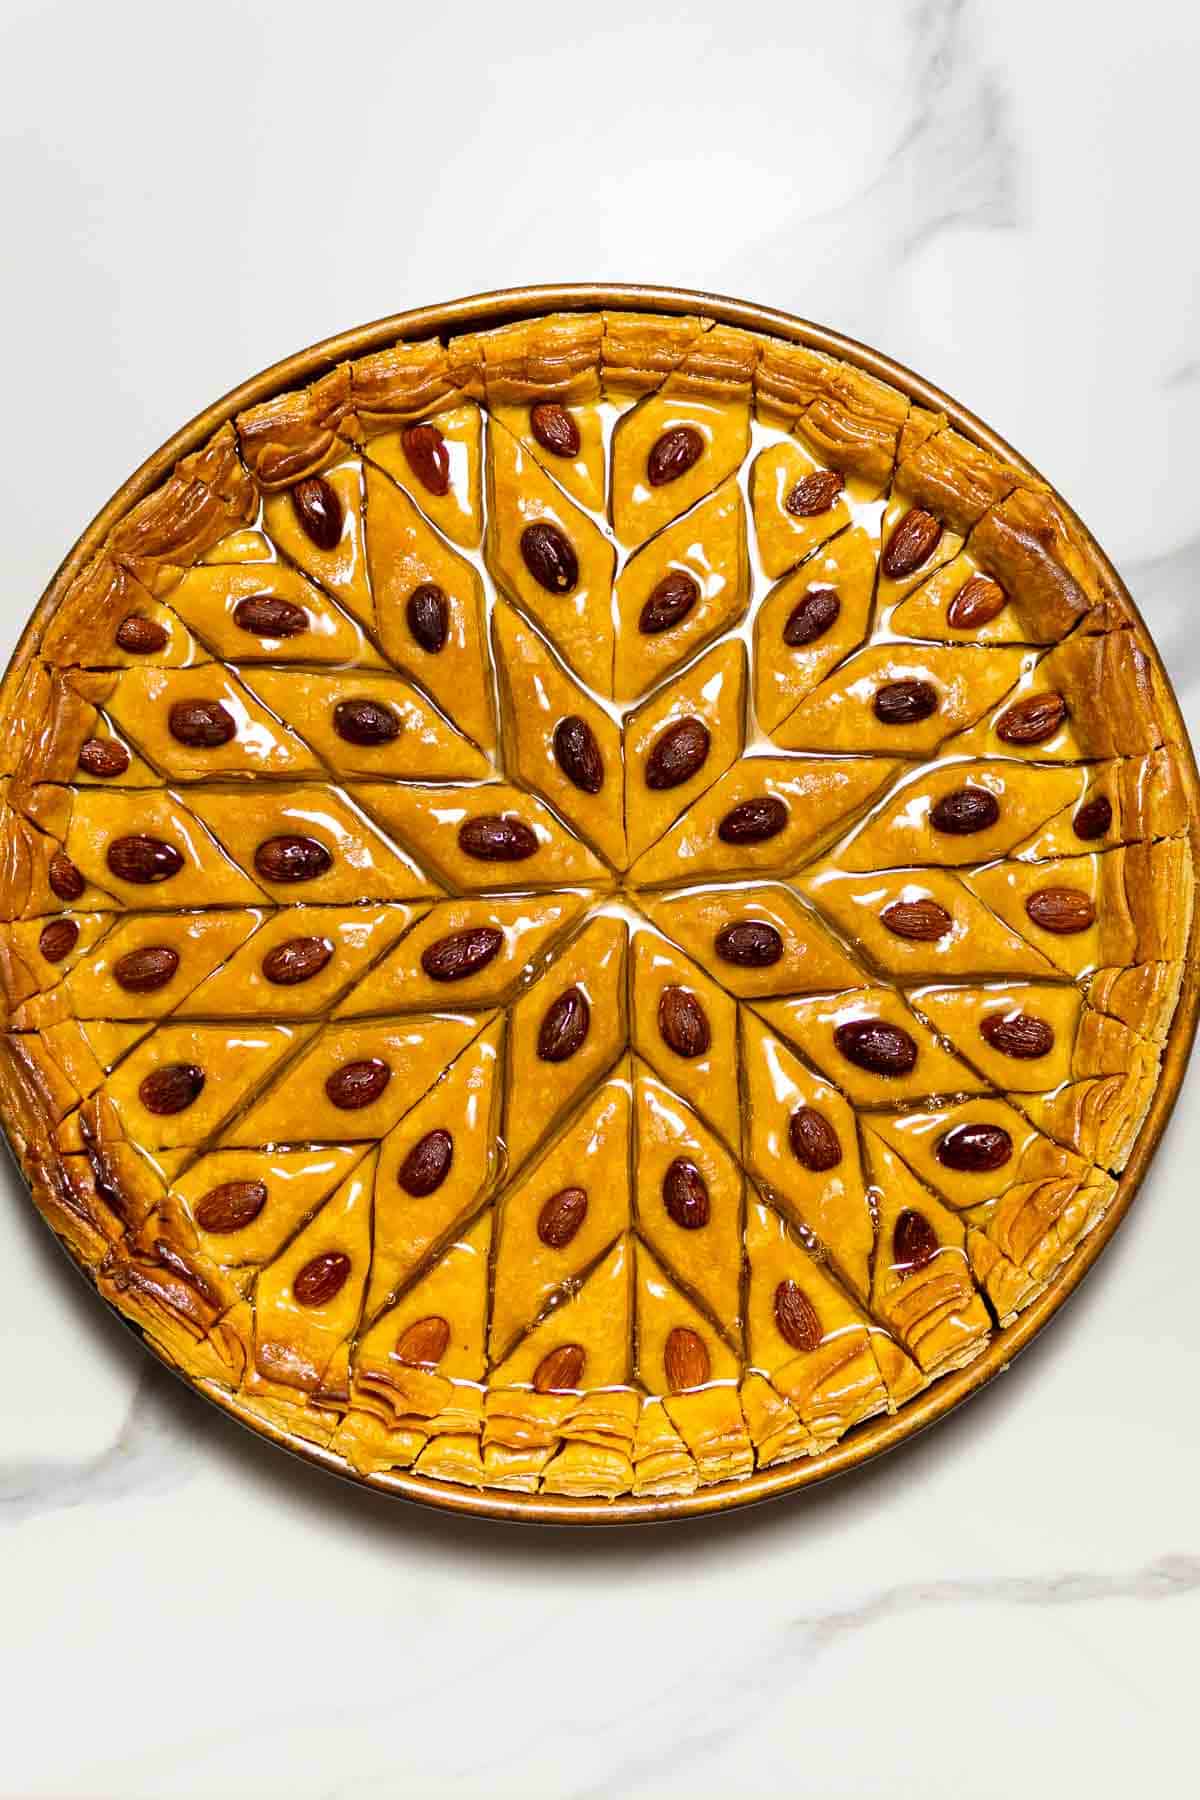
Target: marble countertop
<point>1008,1605</point>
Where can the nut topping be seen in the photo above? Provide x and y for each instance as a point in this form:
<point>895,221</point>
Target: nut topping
<point>679,753</point>
<point>671,600</point>
<point>288,858</point>
<point>427,1164</point>
<point>365,722</point>
<point>753,821</point>
<point>917,921</point>
<point>554,428</point>
<point>914,1241</point>
<point>1093,818</point>
<point>914,539</point>
<point>201,724</point>
<point>965,810</point>
<point>813,1140</point>
<point>58,939</point>
<point>564,1027</point>
<point>297,959</point>
<point>976,603</point>
<point>749,944</point>
<point>263,616</point>
<point>231,1206</point>
<point>143,859</point>
<point>146,969</point>
<point>322,1279</point>
<point>686,1359</point>
<point>171,1089</point>
<point>685,1194</point>
<point>905,702</point>
<point>357,1084</point>
<point>495,837</point>
<point>974,1149</point>
<point>428,615</point>
<point>561,1216</point>
<point>578,754</point>
<point>318,511</point>
<point>1032,720</point>
<point>811,617</point>
<point>673,454</point>
<point>876,1046</point>
<point>560,1370</point>
<point>550,557</point>
<point>461,953</point>
<point>814,494</point>
<point>103,757</point>
<point>1062,910</point>
<point>428,457</point>
<point>140,636</point>
<point>683,1023</point>
<point>796,1317</point>
<point>64,878</point>
<point>1018,1034</point>
<point>424,1343</point>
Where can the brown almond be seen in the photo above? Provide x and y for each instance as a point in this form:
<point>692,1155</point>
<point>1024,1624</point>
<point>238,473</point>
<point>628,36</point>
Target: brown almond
<point>64,878</point>
<point>171,1089</point>
<point>265,616</point>
<point>321,1279</point>
<point>554,428</point>
<point>753,821</point>
<point>201,724</point>
<point>974,1149</point>
<point>143,859</point>
<point>1062,910</point>
<point>549,555</point>
<point>876,1046</point>
<point>905,702</point>
<point>365,722</point>
<point>685,1195</point>
<point>686,1359</point>
<point>670,601</point>
<point>140,636</point>
<point>295,960</point>
<point>103,757</point>
<point>561,1216</point>
<point>1018,1034</point>
<point>976,603</point>
<point>814,494</point>
<point>917,921</point>
<point>496,837</point>
<point>813,1140</point>
<point>357,1084</point>
<point>564,1027</point>
<point>58,939</point>
<point>683,1023</point>
<point>914,539</point>
<point>1093,819</point>
<point>561,1370</point>
<point>428,614</point>
<point>231,1206</point>
<point>965,810</point>
<point>673,454</point>
<point>678,753</point>
<point>424,1343</point>
<point>811,617</point>
<point>291,859</point>
<point>1032,720</point>
<point>318,511</point>
<point>428,457</point>
<point>427,1164</point>
<point>749,944</point>
<point>146,969</point>
<point>461,953</point>
<point>914,1241</point>
<point>796,1317</point>
<point>578,754</point>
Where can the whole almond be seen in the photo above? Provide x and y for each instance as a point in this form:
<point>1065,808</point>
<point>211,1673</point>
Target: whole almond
<point>58,939</point>
<point>231,1206</point>
<point>683,1022</point>
<point>428,457</point>
<point>876,1046</point>
<point>811,617</point>
<point>1018,1034</point>
<point>796,1317</point>
<point>365,722</point>
<point>814,494</point>
<point>103,757</point>
<point>685,1195</point>
<point>290,859</point>
<point>201,724</point>
<point>749,944</point>
<point>357,1084</point>
<point>265,616</point>
<point>578,754</point>
<point>427,1164</point>
<point>554,428</point>
<point>549,555</point>
<point>295,960</point>
<point>976,603</point>
<point>753,821</point>
<point>917,921</point>
<point>678,753</point>
<point>561,1370</point>
<point>1093,819</point>
<point>686,1359</point>
<point>146,969</point>
<point>140,636</point>
<point>495,837</point>
<point>974,1149</point>
<point>143,859</point>
<point>905,702</point>
<point>428,614</point>
<point>318,511</point>
<point>914,1241</point>
<point>321,1279</point>
<point>1062,910</point>
<point>673,454</point>
<point>461,953</point>
<point>561,1216</point>
<point>914,539</point>
<point>424,1343</point>
<point>171,1088</point>
<point>964,810</point>
<point>64,878</point>
<point>670,601</point>
<point>1032,720</point>
<point>813,1140</point>
<point>564,1026</point>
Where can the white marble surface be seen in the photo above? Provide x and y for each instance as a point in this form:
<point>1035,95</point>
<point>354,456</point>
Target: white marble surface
<point>997,194</point>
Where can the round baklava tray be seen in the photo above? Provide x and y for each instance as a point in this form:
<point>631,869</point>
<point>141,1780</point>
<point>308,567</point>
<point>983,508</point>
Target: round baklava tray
<point>596,890</point>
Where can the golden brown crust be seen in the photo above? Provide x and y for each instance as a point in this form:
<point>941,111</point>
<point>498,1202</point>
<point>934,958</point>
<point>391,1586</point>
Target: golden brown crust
<point>949,476</point>
<point>296,433</point>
